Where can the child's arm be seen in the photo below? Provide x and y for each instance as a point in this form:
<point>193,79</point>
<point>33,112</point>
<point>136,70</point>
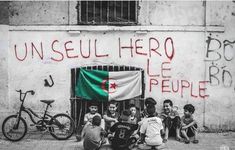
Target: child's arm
<point>135,129</point>
<point>109,119</point>
<point>162,116</point>
<point>189,125</point>
<point>83,131</point>
<point>86,118</point>
<point>102,133</point>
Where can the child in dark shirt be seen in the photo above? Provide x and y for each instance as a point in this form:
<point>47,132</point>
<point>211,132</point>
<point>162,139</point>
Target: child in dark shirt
<point>123,133</point>
<point>189,125</point>
<point>111,115</point>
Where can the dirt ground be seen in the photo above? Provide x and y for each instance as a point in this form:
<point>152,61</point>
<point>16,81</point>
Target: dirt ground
<point>38,141</point>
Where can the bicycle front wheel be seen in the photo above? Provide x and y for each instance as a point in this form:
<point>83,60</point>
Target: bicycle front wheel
<point>11,130</point>
<point>61,126</point>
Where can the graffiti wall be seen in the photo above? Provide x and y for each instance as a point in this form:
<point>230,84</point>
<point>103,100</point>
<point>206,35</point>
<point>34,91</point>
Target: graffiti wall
<point>183,57</point>
<point>176,65</point>
<point>220,71</point>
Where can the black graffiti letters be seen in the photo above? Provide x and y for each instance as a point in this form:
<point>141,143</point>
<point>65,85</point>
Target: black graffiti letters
<point>220,57</point>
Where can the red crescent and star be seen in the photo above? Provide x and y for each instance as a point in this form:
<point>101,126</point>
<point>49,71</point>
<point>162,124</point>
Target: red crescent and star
<point>112,85</point>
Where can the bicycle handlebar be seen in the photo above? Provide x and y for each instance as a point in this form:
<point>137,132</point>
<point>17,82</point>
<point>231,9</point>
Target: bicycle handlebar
<point>23,95</point>
<point>30,91</point>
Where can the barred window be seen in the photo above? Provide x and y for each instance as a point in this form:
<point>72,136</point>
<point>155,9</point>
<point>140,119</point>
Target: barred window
<point>107,12</point>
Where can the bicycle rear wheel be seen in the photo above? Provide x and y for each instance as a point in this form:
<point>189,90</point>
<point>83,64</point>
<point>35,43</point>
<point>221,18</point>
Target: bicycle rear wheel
<point>10,129</point>
<point>61,126</point>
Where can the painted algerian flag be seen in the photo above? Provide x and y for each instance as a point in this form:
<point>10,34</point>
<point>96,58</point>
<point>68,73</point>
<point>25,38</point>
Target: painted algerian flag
<point>103,85</point>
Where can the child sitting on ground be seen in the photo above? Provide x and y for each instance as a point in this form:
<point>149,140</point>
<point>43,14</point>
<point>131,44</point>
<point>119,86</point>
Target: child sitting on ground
<point>189,125</point>
<point>93,111</point>
<point>171,121</point>
<point>93,134</point>
<point>111,115</point>
<point>134,117</point>
<point>123,133</point>
<point>148,101</point>
<point>150,131</point>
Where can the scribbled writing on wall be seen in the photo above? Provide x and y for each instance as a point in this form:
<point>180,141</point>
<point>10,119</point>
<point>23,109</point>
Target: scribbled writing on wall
<point>219,57</point>
<point>47,84</point>
<point>153,51</point>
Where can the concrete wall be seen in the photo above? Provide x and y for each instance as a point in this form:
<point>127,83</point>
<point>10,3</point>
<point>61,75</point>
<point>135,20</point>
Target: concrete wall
<point>194,43</point>
<point>4,79</point>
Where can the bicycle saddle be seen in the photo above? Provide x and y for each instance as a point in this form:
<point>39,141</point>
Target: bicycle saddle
<point>48,102</point>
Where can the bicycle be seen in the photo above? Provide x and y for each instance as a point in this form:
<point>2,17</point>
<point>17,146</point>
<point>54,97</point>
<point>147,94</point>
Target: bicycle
<point>61,126</point>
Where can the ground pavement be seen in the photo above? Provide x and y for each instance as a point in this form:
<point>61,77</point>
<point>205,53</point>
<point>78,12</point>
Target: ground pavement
<point>38,141</point>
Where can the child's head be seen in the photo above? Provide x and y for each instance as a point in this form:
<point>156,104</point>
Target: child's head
<point>150,101</point>
<point>167,105</point>
<point>132,110</point>
<point>96,120</point>
<point>188,110</point>
<point>151,110</point>
<point>93,107</point>
<point>112,106</point>
<point>124,116</point>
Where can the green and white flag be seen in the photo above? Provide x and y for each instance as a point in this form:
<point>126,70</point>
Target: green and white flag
<point>103,85</point>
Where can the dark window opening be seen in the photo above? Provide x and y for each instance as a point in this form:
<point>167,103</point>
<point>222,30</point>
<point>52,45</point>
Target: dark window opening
<point>79,106</point>
<point>107,12</point>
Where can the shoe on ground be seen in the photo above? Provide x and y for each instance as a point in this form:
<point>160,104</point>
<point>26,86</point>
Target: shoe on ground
<point>195,141</point>
<point>79,138</point>
<point>187,141</point>
<point>164,140</point>
<point>179,139</point>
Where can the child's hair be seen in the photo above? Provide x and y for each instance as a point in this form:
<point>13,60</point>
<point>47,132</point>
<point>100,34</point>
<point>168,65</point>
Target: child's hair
<point>96,120</point>
<point>168,101</point>
<point>151,110</point>
<point>124,116</point>
<point>92,103</point>
<point>189,107</point>
<point>112,102</point>
<point>150,101</point>
<point>132,105</point>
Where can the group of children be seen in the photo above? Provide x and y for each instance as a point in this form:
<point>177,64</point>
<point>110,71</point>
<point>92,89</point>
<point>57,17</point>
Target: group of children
<point>148,129</point>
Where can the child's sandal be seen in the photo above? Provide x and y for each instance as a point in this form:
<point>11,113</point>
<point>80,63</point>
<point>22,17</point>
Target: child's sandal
<point>187,141</point>
<point>195,141</point>
<point>164,140</point>
<point>179,139</point>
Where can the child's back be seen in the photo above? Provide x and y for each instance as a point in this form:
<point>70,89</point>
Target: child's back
<point>93,134</point>
<point>122,133</point>
<point>151,127</point>
<point>89,116</point>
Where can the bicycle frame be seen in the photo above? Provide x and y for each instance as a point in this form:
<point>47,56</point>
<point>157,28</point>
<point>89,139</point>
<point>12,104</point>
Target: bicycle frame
<point>32,114</point>
<point>29,111</point>
<point>57,125</point>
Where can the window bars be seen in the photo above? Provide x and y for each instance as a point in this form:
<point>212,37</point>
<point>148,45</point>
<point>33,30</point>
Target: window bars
<point>107,12</point>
